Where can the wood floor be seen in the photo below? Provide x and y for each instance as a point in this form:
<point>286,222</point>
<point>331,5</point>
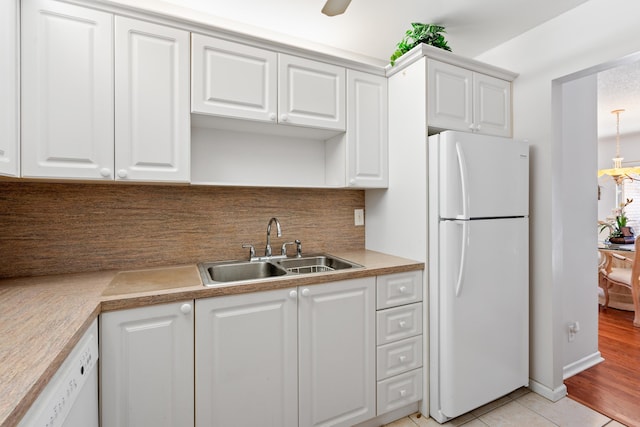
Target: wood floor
<point>613,386</point>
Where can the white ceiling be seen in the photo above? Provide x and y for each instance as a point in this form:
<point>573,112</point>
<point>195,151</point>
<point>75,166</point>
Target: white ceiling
<point>619,88</point>
<point>373,27</point>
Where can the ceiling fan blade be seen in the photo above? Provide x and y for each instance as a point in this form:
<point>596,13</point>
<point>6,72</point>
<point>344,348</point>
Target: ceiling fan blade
<point>335,7</point>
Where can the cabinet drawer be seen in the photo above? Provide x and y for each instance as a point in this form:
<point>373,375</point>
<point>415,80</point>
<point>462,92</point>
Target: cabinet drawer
<point>398,289</point>
<point>399,357</point>
<point>398,323</point>
<point>398,391</point>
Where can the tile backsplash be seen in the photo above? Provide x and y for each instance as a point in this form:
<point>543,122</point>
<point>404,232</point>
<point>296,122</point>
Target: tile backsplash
<point>52,228</point>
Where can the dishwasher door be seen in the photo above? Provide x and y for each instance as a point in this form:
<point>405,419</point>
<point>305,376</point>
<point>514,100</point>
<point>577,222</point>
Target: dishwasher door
<point>71,397</point>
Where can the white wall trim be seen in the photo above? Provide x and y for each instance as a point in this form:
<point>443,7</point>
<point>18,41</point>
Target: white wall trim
<point>546,392</point>
<point>582,364</point>
<point>394,415</point>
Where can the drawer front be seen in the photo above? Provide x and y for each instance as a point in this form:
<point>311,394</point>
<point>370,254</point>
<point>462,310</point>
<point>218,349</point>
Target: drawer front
<point>398,391</point>
<point>397,323</point>
<point>398,289</point>
<point>399,357</point>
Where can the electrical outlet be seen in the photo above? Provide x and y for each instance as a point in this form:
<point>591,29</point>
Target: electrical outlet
<point>358,216</point>
<point>574,328</point>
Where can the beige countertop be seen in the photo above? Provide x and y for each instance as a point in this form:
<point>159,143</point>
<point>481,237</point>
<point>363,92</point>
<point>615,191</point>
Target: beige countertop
<point>42,318</point>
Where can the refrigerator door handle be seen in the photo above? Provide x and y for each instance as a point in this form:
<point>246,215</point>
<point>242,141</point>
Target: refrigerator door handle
<point>464,184</point>
<point>463,254</point>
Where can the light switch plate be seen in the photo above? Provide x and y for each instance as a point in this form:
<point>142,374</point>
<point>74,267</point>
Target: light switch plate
<point>358,216</point>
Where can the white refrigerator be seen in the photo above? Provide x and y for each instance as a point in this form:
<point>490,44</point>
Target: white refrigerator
<point>478,257</point>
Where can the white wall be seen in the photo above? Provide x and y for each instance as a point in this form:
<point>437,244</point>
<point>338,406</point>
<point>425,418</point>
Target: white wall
<point>594,33</point>
<point>575,107</point>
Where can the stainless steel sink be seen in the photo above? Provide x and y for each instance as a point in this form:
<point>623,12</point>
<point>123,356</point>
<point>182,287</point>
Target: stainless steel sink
<point>216,273</point>
<point>315,264</point>
<point>235,271</point>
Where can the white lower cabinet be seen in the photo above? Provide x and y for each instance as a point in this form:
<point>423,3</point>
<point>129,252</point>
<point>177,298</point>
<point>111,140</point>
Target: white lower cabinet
<point>400,390</point>
<point>146,363</point>
<point>246,360</point>
<point>398,357</point>
<point>399,338</point>
<point>295,357</point>
<point>336,333</point>
<point>302,356</point>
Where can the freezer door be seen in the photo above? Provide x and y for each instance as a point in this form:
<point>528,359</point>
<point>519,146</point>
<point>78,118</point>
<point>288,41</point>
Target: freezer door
<point>482,176</point>
<point>483,312</point>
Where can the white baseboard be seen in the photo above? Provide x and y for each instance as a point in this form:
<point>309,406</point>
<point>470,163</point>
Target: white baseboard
<point>392,416</point>
<point>582,364</point>
<point>552,394</point>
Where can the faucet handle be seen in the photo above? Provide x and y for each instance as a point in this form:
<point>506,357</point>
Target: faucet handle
<point>298,248</point>
<point>284,248</point>
<point>252,250</point>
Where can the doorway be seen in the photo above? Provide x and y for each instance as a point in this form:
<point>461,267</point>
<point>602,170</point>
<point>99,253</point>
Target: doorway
<point>575,101</point>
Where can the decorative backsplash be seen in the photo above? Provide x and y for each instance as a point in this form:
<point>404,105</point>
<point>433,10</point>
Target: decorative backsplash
<point>53,228</point>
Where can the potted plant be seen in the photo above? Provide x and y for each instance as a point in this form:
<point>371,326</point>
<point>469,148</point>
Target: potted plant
<point>420,33</point>
<point>619,232</point>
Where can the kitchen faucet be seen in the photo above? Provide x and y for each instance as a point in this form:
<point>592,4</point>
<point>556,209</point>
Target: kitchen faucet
<point>267,249</point>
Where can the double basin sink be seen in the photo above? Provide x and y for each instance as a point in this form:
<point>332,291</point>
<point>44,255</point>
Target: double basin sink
<point>216,273</point>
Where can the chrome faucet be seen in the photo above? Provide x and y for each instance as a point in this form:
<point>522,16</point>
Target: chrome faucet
<point>267,249</point>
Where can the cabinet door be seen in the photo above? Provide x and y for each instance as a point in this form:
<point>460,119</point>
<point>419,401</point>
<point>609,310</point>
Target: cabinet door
<point>337,353</point>
<point>367,136</point>
<point>246,360</point>
<point>449,95</point>
<point>146,357</point>
<point>67,91</point>
<point>233,80</point>
<point>492,105</point>
<point>152,119</point>
<point>9,88</point>
<point>311,93</point>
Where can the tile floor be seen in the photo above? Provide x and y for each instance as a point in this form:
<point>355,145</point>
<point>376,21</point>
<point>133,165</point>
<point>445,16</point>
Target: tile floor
<point>521,408</point>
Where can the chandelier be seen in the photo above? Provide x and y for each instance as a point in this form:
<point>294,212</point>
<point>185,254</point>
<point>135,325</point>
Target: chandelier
<point>618,173</point>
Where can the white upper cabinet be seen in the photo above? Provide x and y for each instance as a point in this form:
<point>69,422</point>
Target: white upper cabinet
<point>67,91</point>
<point>367,131</point>
<point>9,88</point>
<point>449,95</point>
<point>491,105</point>
<point>311,93</point>
<point>244,82</point>
<point>152,118</point>
<point>108,97</point>
<point>464,100</point>
<point>233,80</point>
<point>71,125</point>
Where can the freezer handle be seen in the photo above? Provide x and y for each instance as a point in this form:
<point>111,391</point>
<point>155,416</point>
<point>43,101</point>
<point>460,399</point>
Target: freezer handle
<point>464,184</point>
<point>463,254</point>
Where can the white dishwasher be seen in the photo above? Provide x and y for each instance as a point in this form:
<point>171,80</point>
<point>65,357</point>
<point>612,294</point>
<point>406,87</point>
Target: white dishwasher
<point>71,397</point>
